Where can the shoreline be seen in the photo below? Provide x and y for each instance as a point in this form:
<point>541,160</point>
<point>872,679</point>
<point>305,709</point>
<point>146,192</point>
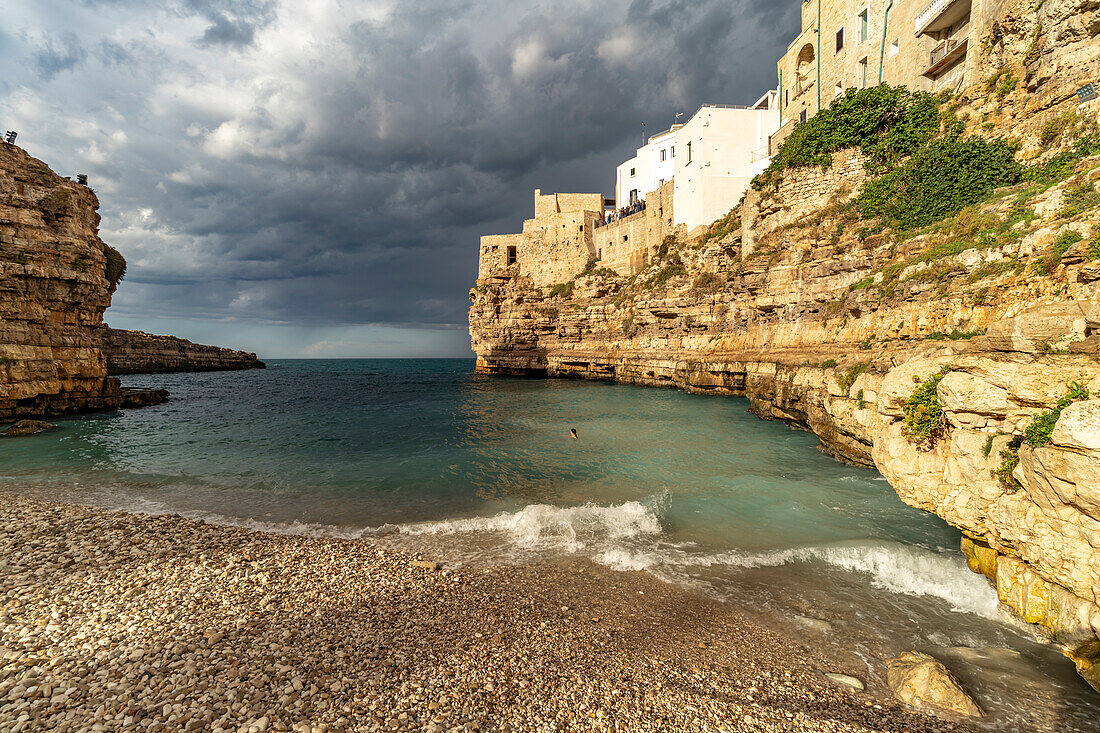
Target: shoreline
<point>160,622</point>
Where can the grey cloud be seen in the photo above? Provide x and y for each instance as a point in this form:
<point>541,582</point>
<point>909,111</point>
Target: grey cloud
<point>232,22</point>
<point>349,186</point>
<point>56,55</point>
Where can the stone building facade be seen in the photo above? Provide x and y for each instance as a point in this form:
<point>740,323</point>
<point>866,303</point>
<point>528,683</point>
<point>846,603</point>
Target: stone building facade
<point>926,45</point>
<point>552,248</point>
<point>627,245</point>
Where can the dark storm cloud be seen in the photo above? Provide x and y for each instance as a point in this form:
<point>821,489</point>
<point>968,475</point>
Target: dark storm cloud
<point>325,163</point>
<point>56,55</point>
<point>232,22</point>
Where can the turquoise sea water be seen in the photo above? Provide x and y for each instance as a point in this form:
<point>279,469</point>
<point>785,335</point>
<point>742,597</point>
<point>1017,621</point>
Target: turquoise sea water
<point>426,455</point>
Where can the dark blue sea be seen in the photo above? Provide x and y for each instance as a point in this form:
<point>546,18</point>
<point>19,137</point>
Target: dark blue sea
<point>425,455</point>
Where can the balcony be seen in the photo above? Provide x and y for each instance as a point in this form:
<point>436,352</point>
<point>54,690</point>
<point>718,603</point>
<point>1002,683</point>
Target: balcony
<point>945,55</point>
<point>939,15</point>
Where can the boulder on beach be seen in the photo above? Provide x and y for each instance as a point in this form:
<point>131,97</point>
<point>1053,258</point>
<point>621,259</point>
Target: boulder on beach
<point>28,427</point>
<point>923,682</point>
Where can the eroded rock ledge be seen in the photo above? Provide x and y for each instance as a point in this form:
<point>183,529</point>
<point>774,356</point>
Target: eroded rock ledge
<point>137,352</point>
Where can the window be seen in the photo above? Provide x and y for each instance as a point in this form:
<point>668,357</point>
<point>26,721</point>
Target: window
<point>634,196</point>
<point>863,74</point>
<point>599,254</point>
<point>864,27</point>
<point>802,116</point>
<point>838,89</point>
<point>689,155</point>
<point>631,172</point>
<point>839,40</point>
<point>625,237</point>
<point>672,152</point>
<point>894,48</point>
<point>511,255</point>
<point>786,97</point>
<point>581,227</point>
<point>662,182</point>
<point>664,155</point>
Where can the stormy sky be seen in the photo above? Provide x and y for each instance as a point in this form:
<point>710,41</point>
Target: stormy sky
<point>310,178</point>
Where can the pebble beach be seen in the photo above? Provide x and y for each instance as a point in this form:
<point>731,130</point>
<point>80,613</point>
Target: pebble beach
<point>120,622</point>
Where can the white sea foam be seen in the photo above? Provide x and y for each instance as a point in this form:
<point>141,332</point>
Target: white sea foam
<point>628,537</point>
<point>546,527</point>
<point>898,568</point>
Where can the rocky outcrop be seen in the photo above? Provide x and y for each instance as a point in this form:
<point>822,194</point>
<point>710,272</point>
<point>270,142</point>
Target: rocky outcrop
<point>928,354</point>
<point>136,352</point>
<point>55,283</point>
<point>27,427</point>
<point>923,682</point>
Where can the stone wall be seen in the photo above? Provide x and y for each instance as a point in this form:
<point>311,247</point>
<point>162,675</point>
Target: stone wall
<point>625,246</point>
<point>552,247</point>
<point>801,193</point>
<point>136,352</point>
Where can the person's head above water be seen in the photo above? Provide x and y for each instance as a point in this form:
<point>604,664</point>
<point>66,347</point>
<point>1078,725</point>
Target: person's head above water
<point>573,432</point>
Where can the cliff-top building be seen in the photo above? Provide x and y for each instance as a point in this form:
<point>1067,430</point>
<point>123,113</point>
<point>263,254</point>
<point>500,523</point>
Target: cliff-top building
<point>860,43</point>
<point>552,248</point>
<point>709,160</point>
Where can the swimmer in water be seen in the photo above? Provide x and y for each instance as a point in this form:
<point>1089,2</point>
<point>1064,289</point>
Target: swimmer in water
<point>573,433</point>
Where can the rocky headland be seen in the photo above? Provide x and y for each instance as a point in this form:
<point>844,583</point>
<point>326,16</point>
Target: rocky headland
<point>137,352</point>
<point>941,326</point>
<point>56,280</point>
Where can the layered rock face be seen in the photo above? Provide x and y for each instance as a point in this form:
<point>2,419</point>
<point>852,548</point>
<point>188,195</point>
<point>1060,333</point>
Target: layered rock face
<point>978,331</point>
<point>136,352</point>
<point>53,291</point>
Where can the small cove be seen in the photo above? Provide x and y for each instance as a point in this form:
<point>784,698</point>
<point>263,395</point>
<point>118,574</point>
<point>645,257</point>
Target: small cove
<point>424,455</point>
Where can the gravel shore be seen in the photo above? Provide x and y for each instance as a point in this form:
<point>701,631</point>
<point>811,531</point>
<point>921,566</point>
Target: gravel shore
<point>119,622</point>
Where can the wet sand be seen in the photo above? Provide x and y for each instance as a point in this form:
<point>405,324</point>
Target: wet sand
<point>118,622</point>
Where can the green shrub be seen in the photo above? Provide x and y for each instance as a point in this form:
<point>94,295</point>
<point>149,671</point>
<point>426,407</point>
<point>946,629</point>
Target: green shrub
<point>725,226</point>
<point>629,329</point>
<point>80,264</point>
<point>21,258</point>
<point>1062,165</point>
<point>988,446</point>
<point>1050,260</point>
<point>563,290</point>
<point>924,420</point>
<point>886,123</point>
<point>7,361</point>
<point>1010,458</point>
<point>829,364</point>
<point>708,282</point>
<point>941,178</point>
<point>1008,83</point>
<point>663,248</point>
<point>666,273</point>
<point>956,335</point>
<point>116,267</point>
<point>848,378</point>
<point>860,400</point>
<point>1053,129</point>
<point>1038,432</point>
<point>1080,198</point>
<point>1093,252</point>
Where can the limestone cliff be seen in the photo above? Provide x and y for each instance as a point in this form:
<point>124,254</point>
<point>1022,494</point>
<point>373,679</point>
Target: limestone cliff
<point>54,287</point>
<point>136,352</point>
<point>959,358</point>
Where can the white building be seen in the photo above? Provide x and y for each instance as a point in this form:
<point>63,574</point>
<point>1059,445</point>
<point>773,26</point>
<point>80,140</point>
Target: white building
<point>654,164</point>
<point>718,151</point>
<point>711,159</point>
